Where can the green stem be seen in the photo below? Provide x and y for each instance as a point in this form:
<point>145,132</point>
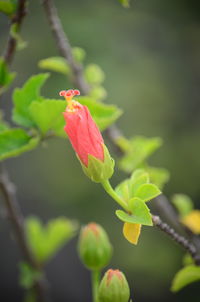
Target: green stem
<point>108,188</point>
<point>95,275</point>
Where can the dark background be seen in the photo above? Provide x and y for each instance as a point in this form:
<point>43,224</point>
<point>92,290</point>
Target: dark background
<point>151,57</point>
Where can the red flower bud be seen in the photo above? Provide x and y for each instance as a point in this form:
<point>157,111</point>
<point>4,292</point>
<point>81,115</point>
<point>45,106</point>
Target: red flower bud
<point>86,139</point>
<point>83,133</point>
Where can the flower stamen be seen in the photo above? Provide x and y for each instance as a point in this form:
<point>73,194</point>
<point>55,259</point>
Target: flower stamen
<point>68,95</point>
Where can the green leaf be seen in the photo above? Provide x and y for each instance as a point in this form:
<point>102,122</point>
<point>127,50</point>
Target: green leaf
<point>103,114</point>
<point>57,64</point>
<point>140,213</point>
<point>24,96</point>
<point>7,7</point>
<point>78,54</point>
<point>158,176</point>
<point>125,3</point>
<point>94,74</point>
<point>136,183</point>
<point>147,192</point>
<point>15,141</point>
<point>28,275</point>
<point>127,189</point>
<point>45,241</point>
<point>6,77</point>
<point>187,275</point>
<point>123,190</point>
<point>14,32</point>
<point>98,93</point>
<point>138,150</point>
<point>3,125</point>
<point>183,204</point>
<point>47,115</point>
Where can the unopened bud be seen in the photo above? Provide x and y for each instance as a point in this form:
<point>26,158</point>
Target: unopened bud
<point>114,287</point>
<point>94,247</point>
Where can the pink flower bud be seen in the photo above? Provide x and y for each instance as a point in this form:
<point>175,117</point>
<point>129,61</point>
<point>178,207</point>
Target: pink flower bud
<point>86,139</point>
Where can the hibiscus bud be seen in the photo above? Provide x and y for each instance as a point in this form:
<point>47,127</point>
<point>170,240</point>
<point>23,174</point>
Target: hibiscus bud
<point>86,139</point>
<point>114,287</point>
<point>94,247</point>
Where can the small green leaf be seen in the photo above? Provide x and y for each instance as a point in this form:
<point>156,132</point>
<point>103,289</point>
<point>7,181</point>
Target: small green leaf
<point>147,192</point>
<point>158,176</point>
<point>14,32</point>
<point>185,276</point>
<point>45,241</point>
<point>94,74</point>
<point>6,77</point>
<point>140,213</point>
<point>123,190</point>
<point>28,275</point>
<point>57,64</point>
<point>137,183</point>
<point>3,125</point>
<point>15,141</point>
<point>183,204</point>
<point>139,149</point>
<point>78,54</point>
<point>103,114</point>
<point>98,93</point>
<point>24,96</point>
<point>127,189</point>
<point>125,3</point>
<point>7,7</point>
<point>47,115</point>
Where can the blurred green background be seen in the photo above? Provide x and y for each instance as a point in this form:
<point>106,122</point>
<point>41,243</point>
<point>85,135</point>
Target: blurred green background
<point>151,57</point>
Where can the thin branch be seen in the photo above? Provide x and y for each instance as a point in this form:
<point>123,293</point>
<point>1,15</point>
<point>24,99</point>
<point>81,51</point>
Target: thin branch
<point>17,221</point>
<point>64,45</point>
<point>17,19</point>
<point>8,189</point>
<point>112,132</point>
<point>182,241</point>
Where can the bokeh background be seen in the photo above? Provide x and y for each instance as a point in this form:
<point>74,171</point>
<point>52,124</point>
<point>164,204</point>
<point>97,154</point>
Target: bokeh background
<point>150,54</point>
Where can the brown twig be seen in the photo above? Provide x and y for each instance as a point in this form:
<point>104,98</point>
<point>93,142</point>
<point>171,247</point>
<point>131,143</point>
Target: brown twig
<point>112,132</point>
<point>17,19</point>
<point>182,241</point>
<point>17,222</point>
<point>8,189</point>
<point>64,45</point>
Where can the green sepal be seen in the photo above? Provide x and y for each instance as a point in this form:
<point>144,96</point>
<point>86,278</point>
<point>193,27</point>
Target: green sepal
<point>98,170</point>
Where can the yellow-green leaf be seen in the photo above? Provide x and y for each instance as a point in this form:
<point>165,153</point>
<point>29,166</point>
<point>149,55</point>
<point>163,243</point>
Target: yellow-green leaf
<point>187,275</point>
<point>147,192</point>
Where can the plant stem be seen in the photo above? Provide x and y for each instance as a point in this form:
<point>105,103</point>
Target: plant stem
<point>95,276</point>
<point>64,46</point>
<point>17,19</point>
<point>182,241</point>
<point>17,222</point>
<point>108,188</point>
